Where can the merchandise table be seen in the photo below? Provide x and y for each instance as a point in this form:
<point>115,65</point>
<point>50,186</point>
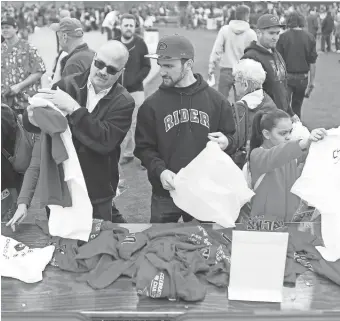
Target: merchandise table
<point>59,291</point>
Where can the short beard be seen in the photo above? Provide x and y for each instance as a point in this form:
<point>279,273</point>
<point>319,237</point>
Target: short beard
<point>175,82</point>
<point>126,37</point>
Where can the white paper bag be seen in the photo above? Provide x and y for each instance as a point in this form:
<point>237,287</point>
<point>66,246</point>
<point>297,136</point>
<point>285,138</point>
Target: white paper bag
<point>299,131</point>
<point>257,267</point>
<point>212,187</point>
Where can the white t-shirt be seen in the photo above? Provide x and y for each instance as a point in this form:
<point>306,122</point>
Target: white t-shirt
<point>20,262</point>
<point>319,185</point>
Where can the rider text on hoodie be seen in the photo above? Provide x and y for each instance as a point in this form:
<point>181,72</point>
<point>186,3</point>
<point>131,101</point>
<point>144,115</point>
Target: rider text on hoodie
<point>173,126</point>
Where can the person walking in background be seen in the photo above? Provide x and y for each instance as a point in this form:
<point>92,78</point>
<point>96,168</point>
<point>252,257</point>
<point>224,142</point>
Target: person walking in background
<point>109,23</point>
<point>337,32</point>
<point>71,38</point>
<point>327,27</point>
<point>313,23</point>
<point>264,51</point>
<point>136,70</point>
<point>176,122</point>
<point>21,67</point>
<point>298,50</point>
<point>229,47</point>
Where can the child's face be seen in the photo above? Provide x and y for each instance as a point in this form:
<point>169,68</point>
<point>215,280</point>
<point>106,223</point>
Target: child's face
<point>281,133</point>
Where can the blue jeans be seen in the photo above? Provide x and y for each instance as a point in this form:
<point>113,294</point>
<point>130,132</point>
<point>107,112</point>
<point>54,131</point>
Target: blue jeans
<point>164,210</point>
<point>297,85</point>
<point>226,81</point>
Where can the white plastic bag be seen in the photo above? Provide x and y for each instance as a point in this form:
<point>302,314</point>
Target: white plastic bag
<point>299,131</point>
<point>212,187</point>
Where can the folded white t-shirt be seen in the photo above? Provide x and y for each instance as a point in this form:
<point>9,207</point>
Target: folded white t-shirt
<point>18,261</point>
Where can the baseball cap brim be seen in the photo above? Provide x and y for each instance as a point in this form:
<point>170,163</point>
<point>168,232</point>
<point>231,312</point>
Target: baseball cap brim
<point>157,56</point>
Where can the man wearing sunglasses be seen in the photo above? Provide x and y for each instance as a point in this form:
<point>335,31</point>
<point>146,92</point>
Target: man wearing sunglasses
<point>99,114</point>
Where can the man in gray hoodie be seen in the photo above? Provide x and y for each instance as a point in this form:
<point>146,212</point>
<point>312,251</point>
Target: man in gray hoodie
<point>229,47</point>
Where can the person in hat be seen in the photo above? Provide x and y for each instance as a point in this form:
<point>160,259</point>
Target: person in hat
<point>264,51</point>
<point>70,34</point>
<point>21,67</point>
<point>298,50</point>
<point>176,122</point>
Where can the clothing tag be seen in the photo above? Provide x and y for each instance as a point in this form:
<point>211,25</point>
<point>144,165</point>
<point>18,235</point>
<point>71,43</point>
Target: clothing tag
<point>257,266</point>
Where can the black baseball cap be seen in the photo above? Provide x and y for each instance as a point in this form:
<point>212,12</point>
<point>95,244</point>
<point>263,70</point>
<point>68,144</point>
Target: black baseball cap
<point>268,21</point>
<point>173,47</point>
<point>9,21</point>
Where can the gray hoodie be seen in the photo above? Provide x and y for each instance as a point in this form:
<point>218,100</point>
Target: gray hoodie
<point>230,44</point>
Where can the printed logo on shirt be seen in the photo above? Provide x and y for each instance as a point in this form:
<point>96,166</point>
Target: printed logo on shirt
<point>302,259</point>
<point>184,116</point>
<point>278,69</point>
<point>131,238</point>
<point>156,286</point>
<point>206,253</point>
<point>264,225</point>
<point>220,255</point>
<point>336,156</point>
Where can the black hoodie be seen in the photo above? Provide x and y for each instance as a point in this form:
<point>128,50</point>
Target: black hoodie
<point>275,84</point>
<point>173,126</point>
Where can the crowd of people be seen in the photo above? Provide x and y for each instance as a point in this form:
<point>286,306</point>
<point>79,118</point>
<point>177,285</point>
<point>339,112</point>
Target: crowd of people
<point>101,98</point>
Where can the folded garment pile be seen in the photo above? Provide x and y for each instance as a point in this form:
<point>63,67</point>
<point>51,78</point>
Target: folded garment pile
<point>175,261</point>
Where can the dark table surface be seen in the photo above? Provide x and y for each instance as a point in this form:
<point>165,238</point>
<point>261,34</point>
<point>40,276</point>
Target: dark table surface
<point>59,291</point>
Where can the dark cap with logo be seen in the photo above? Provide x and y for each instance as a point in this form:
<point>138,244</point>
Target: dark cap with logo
<point>70,26</point>
<point>268,21</point>
<point>9,21</point>
<point>173,47</point>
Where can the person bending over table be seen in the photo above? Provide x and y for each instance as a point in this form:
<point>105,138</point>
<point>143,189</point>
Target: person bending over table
<point>99,115</point>
<point>176,122</point>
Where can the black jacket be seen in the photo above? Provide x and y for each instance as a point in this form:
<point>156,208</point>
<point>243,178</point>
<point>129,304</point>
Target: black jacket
<point>97,136</point>
<point>275,84</point>
<point>327,26</point>
<point>79,60</point>
<point>173,126</point>
<point>137,67</point>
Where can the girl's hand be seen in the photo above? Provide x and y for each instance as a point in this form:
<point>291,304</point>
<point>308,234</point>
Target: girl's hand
<point>18,217</point>
<point>315,136</point>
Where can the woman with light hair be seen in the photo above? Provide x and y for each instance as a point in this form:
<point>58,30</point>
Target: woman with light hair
<point>249,77</point>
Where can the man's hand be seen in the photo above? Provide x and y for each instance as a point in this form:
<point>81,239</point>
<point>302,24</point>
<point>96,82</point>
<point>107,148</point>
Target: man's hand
<point>60,99</point>
<point>219,138</point>
<point>15,89</point>
<point>296,119</point>
<point>309,90</point>
<point>167,180</point>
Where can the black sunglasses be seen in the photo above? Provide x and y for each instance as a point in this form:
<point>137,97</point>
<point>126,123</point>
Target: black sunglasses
<point>110,69</point>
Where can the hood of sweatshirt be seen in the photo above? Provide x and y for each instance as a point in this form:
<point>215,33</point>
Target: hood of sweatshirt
<point>238,26</point>
<point>255,46</point>
<point>254,98</point>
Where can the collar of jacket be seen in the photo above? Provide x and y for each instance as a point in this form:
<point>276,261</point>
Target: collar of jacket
<point>81,47</point>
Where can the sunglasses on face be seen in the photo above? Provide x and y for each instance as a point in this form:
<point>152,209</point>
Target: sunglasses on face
<point>110,69</point>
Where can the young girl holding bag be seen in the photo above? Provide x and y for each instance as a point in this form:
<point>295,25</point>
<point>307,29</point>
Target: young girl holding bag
<point>273,153</point>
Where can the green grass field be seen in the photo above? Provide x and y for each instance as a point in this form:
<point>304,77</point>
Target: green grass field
<point>322,109</point>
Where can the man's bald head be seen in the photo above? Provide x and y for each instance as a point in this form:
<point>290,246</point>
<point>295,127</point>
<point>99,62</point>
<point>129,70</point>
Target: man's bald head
<point>116,52</point>
<point>113,55</point>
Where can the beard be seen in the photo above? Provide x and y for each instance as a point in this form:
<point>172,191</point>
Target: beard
<point>171,82</point>
<point>128,35</point>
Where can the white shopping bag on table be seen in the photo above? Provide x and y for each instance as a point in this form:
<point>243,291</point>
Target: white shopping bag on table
<point>212,187</point>
<point>257,267</point>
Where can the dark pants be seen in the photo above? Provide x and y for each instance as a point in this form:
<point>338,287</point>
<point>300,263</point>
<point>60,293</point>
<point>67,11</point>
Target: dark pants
<point>337,42</point>
<point>326,38</point>
<point>164,210</point>
<point>297,85</point>
<point>226,81</point>
<point>102,211</point>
